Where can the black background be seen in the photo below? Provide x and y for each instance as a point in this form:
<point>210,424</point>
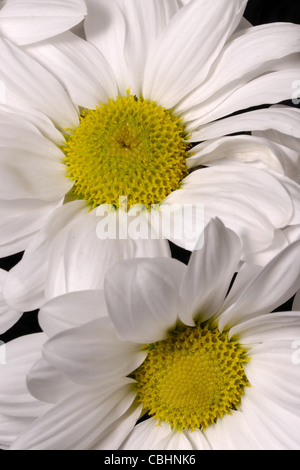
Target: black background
<point>257,12</point>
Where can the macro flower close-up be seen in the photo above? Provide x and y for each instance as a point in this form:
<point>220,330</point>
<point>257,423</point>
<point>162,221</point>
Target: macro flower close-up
<point>149,224</point>
<point>163,359</point>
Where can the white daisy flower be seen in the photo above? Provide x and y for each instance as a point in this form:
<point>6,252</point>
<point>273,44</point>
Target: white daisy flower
<point>204,369</point>
<point>173,82</point>
<point>28,21</point>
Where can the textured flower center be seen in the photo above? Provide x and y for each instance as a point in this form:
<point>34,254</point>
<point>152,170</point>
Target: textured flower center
<point>127,148</point>
<point>192,378</point>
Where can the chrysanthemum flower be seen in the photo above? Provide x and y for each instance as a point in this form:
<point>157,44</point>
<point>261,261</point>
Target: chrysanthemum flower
<point>114,115</point>
<point>25,22</point>
<point>204,370</point>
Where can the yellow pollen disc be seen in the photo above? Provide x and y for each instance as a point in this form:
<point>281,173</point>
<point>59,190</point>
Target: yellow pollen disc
<point>192,378</point>
<point>127,148</point>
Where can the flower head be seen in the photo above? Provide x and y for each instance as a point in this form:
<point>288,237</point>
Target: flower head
<point>210,370</point>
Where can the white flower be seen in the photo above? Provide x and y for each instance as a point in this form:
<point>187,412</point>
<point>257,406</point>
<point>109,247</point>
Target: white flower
<point>25,22</point>
<point>149,348</point>
<point>137,54</point>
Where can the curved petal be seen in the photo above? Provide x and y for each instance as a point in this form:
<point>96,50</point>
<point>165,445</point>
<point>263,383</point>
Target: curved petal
<point>69,255</point>
<point>38,88</point>
<point>81,68</point>
<point>274,285</point>
<point>124,31</point>
<point>25,22</point>
<point>241,148</point>
<point>25,286</point>
<point>270,88</point>
<point>233,432</point>
<point>142,297</point>
<point>149,435</point>
<point>92,355</point>
<point>48,384</point>
<point>78,422</point>
<point>20,219</point>
<point>262,45</point>
<point>209,274</point>
<point>241,196</point>
<point>280,118</point>
<point>15,399</point>
<point>172,71</point>
<point>275,427</point>
<point>72,310</point>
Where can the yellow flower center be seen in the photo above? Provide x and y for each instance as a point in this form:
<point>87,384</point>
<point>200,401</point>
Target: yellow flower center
<point>127,148</point>
<point>192,378</point>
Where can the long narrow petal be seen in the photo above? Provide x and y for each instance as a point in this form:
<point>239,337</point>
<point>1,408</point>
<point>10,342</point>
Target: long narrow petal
<point>209,273</point>
<point>15,399</point>
<point>78,422</point>
<point>25,22</point>
<point>142,297</point>
<point>72,310</point>
<point>37,89</point>
<point>262,45</point>
<point>280,118</point>
<point>81,68</point>
<point>124,31</point>
<point>90,354</point>
<point>185,51</point>
<point>273,286</point>
<point>269,89</point>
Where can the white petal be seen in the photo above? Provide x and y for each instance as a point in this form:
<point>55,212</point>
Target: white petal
<point>80,258</point>
<point>209,274</point>
<point>35,117</point>
<point>275,428</point>
<point>148,435</point>
<point>185,51</point>
<point>273,286</point>
<point>48,384</point>
<point>25,22</point>
<point>274,371</point>
<point>92,354</point>
<point>15,399</point>
<point>124,31</point>
<point>20,219</point>
<point>114,436</point>
<point>10,428</point>
<point>233,432</point>
<point>267,89</point>
<point>25,286</point>
<point>283,119</point>
<point>36,89</point>
<point>8,316</point>
<point>278,326</point>
<point>243,202</point>
<point>71,310</point>
<point>31,166</point>
<point>78,422</point>
<point>142,297</point>
<point>262,45</point>
<point>242,148</point>
<point>79,66</point>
